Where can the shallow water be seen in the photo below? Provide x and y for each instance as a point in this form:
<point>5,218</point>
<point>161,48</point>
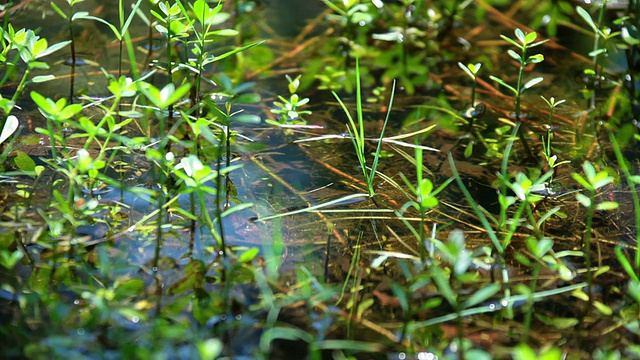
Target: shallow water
<point>279,175</point>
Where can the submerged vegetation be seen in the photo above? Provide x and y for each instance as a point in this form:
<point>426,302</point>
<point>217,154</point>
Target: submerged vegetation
<point>187,179</point>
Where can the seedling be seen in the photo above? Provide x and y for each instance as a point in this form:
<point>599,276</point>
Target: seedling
<point>523,42</point>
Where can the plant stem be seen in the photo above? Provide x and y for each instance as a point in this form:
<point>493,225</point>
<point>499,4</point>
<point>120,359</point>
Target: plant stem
<point>587,243</point>
<point>530,301</point>
<point>632,185</point>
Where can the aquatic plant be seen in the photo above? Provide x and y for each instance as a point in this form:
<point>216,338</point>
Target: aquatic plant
<point>356,131</point>
<point>290,110</point>
<point>524,42</point>
<point>550,158</point>
<point>599,50</point>
<point>72,16</point>
<point>592,181</point>
<point>123,243</point>
<point>29,48</point>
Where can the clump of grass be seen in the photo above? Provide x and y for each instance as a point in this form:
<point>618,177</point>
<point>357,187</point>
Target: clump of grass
<point>356,130</point>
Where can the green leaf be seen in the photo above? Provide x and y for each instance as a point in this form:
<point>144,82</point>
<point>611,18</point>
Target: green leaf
<point>10,127</point>
<point>539,247</point>
<point>442,283</point>
<point>582,181</point>
<point>520,36</point>
<point>223,32</point>
<point>468,151</point>
<point>514,55</point>
<point>634,289</point>
<point>202,11</point>
<point>511,41</point>
<point>597,52</point>
<point>174,96</point>
<point>532,82</point>
<point>43,103</point>
<point>626,265</point>
<point>607,205</point>
<point>129,287</point>
<point>125,27</point>
<point>474,67</point>
<point>247,119</point>
<point>530,37</point>
<point>248,255</point>
<point>630,35</point>
<point>584,200</point>
<point>232,52</point>
<point>51,49</point>
<point>210,348</point>
<point>535,59</point>
<point>363,306</point>
<point>589,171</point>
<point>602,179</point>
<point>24,162</point>
<point>469,70</point>
<point>58,10</point>
<point>522,259</point>
<point>547,215</point>
<point>10,259</point>
<point>587,17</point>
<point>482,294</point>
<point>523,352</point>
<point>501,82</point>
<point>602,308</point>
<point>42,78</point>
<point>538,43</point>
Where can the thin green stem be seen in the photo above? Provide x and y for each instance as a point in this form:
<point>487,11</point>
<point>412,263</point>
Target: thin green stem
<point>72,45</point>
<point>530,302</point>
<point>622,163</point>
<point>587,242</point>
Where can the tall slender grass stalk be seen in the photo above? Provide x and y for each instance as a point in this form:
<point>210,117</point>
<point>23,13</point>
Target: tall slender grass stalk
<point>632,180</point>
<point>486,225</point>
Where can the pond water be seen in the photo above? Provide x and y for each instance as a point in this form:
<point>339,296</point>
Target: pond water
<point>283,170</point>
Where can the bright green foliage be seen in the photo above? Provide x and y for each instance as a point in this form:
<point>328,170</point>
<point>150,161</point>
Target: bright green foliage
<point>91,274</point>
<point>290,110</point>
